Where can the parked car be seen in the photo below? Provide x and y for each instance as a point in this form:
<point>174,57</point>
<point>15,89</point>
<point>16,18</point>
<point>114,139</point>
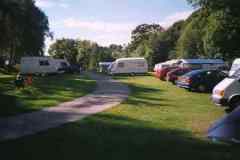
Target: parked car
<point>162,73</point>
<point>62,65</point>
<point>159,67</point>
<point>201,80</point>
<point>173,75</point>
<point>227,92</point>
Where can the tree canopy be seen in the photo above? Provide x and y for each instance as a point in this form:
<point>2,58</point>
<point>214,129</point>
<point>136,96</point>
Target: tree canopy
<point>23,29</point>
<point>83,52</point>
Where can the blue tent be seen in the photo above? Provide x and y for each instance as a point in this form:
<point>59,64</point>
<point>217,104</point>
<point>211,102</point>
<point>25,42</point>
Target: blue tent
<point>227,129</point>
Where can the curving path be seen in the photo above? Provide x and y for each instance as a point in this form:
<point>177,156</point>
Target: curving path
<point>109,93</point>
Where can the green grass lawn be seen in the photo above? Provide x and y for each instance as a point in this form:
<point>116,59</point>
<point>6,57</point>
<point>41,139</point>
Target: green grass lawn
<point>45,92</point>
<point>158,121</point>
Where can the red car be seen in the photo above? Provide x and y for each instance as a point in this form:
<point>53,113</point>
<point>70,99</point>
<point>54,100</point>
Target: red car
<point>162,73</point>
<point>173,75</point>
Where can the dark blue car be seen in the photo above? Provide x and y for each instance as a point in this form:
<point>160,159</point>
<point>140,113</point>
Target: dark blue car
<point>201,80</point>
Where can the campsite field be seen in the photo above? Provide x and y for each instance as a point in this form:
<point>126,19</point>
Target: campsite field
<point>45,92</point>
<point>158,121</point>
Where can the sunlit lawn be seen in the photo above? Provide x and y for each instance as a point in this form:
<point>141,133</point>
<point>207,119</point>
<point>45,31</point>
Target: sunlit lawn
<point>45,92</point>
<point>158,121</point>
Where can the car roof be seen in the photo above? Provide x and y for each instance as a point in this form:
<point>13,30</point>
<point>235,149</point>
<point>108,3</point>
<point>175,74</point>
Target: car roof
<point>132,58</point>
<point>202,61</point>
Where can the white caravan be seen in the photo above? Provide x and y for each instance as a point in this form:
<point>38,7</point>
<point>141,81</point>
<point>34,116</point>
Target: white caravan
<point>38,65</point>
<point>129,66</point>
<point>202,63</point>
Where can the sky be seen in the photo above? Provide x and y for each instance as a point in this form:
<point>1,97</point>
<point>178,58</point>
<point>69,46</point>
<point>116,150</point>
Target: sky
<point>109,21</point>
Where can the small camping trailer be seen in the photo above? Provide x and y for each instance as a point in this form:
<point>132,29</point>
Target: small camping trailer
<point>201,63</point>
<point>38,65</point>
<point>129,66</point>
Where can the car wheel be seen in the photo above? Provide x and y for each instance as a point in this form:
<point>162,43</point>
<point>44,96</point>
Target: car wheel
<point>201,88</point>
<point>234,103</point>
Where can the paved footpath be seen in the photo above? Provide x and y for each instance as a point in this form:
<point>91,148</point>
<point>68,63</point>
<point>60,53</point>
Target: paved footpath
<point>109,93</point>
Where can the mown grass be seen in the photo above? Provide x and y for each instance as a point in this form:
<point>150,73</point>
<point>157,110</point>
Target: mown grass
<point>158,121</point>
<point>45,92</point>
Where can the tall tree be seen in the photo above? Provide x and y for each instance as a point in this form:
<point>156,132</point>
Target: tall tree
<point>23,29</point>
<point>223,29</point>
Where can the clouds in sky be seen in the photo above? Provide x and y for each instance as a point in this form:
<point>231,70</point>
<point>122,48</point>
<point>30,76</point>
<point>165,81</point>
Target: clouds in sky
<point>102,31</point>
<point>171,19</point>
<point>106,33</point>
<point>52,3</point>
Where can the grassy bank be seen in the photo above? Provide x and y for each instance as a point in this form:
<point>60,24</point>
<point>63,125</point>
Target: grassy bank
<point>45,92</point>
<point>158,121</point>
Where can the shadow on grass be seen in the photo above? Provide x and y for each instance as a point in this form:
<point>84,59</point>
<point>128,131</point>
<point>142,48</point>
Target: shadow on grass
<point>45,92</point>
<point>107,136</point>
<point>143,96</point>
<point>9,105</point>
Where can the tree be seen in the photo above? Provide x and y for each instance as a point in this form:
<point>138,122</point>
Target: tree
<point>223,30</point>
<point>143,32</point>
<point>86,53</point>
<point>23,29</point>
<point>64,49</point>
<point>190,43</point>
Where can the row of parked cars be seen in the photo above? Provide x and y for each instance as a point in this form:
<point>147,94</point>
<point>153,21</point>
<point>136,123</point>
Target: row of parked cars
<point>204,75</point>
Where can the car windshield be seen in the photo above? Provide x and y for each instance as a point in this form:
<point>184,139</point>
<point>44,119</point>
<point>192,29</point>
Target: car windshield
<point>236,74</point>
<point>111,66</point>
<point>235,67</point>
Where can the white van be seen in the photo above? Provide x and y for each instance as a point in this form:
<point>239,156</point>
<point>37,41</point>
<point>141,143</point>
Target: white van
<point>201,63</point>
<point>227,92</point>
<point>38,65</point>
<point>129,66</point>
<point>235,66</point>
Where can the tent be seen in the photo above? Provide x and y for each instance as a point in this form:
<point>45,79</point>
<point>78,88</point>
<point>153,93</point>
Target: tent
<point>227,129</point>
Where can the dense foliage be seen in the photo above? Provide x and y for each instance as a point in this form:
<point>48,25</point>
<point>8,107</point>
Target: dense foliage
<point>23,29</point>
<point>212,31</point>
<point>83,52</point>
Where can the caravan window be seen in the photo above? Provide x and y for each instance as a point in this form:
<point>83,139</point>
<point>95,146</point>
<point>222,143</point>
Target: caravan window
<point>121,65</point>
<point>44,63</point>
